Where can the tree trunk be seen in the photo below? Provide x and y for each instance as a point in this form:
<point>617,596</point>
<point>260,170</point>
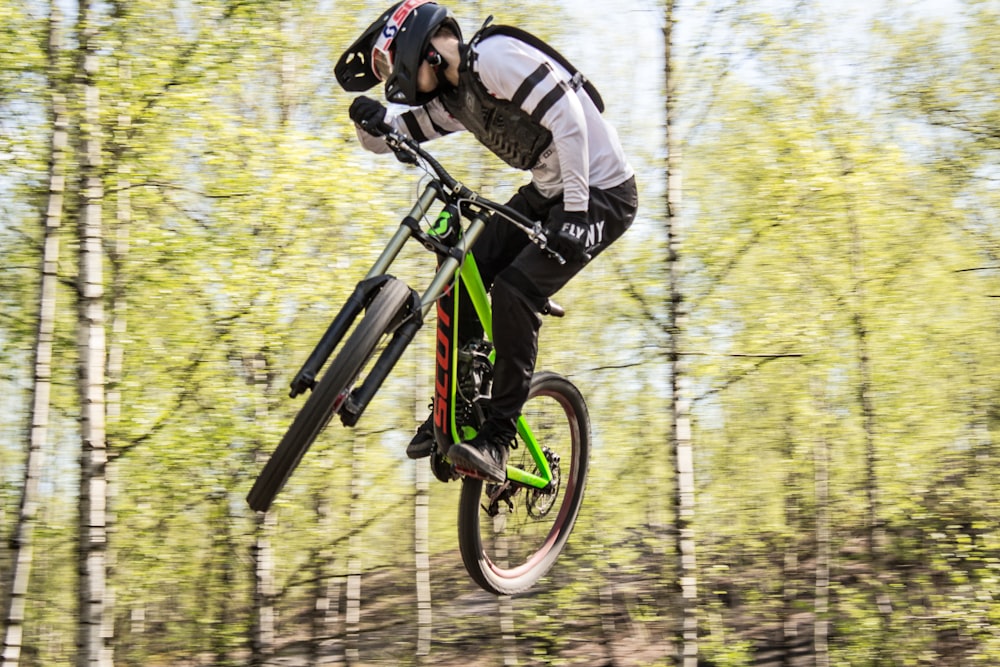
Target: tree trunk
<point>681,447</point>
<point>262,556</point>
<point>222,557</point>
<point>116,343</point>
<point>23,540</point>
<point>822,598</point>
<point>93,645</point>
<point>876,530</point>
<point>353,615</point>
<point>507,633</point>
<point>790,563</point>
<point>262,642</point>
<point>425,618</point>
<point>864,392</point>
<point>327,647</point>
<point>421,523</point>
<point>327,636</point>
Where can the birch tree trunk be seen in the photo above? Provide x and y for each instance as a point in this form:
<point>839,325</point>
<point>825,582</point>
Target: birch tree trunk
<point>262,641</point>
<point>822,597</point>
<point>421,543</point>
<point>119,319</point>
<point>790,562</point>
<point>508,637</point>
<point>353,615</point>
<point>327,646</point>
<point>23,540</point>
<point>681,447</point>
<point>421,515</point>
<point>93,647</point>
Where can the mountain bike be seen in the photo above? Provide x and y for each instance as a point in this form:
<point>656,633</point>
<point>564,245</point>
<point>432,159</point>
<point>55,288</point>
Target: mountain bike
<point>509,534</point>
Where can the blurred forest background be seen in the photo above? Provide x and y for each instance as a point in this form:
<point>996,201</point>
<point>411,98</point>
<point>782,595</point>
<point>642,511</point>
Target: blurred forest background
<point>795,401</point>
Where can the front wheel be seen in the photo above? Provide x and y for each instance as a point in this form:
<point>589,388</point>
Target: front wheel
<point>330,393</point>
<point>510,535</point>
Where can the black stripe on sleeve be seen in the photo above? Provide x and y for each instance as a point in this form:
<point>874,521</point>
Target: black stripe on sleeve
<point>546,102</point>
<point>413,127</point>
<point>530,83</point>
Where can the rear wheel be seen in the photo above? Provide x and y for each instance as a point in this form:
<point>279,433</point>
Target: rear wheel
<point>510,535</point>
<point>325,400</point>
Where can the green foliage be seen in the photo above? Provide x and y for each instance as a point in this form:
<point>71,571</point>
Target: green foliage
<point>812,228</point>
<point>810,222</point>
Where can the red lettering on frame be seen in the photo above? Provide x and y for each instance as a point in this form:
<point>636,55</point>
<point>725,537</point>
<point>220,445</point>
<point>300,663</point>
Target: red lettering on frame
<point>443,371</point>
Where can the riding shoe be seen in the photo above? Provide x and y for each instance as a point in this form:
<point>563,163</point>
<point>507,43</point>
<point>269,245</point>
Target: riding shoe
<point>423,440</point>
<point>486,453</point>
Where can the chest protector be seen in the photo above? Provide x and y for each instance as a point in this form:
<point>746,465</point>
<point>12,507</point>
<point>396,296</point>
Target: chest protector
<point>502,126</point>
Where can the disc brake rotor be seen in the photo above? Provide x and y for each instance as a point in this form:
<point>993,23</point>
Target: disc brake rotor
<point>539,502</point>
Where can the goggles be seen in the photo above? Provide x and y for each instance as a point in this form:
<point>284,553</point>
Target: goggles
<point>382,51</point>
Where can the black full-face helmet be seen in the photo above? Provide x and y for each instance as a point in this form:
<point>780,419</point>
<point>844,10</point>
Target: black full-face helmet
<point>392,49</point>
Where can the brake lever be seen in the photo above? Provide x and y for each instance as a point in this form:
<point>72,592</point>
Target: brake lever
<point>539,238</point>
<point>396,142</point>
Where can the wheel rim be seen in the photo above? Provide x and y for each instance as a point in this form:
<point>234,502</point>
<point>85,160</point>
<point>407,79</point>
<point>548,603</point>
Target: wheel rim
<point>516,536</point>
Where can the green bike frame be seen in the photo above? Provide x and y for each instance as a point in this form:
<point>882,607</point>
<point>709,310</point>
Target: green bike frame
<point>472,282</point>
<point>457,270</point>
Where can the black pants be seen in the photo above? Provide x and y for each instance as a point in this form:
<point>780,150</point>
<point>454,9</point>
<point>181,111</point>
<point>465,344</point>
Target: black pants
<point>523,277</point>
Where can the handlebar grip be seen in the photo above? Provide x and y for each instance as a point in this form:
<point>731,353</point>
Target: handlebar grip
<point>379,129</point>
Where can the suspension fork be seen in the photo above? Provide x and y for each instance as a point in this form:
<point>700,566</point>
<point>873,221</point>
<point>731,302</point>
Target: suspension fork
<point>363,292</point>
<point>360,397</point>
<point>407,228</point>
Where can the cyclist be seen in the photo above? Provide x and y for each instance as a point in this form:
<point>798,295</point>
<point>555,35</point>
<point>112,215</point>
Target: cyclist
<point>527,105</point>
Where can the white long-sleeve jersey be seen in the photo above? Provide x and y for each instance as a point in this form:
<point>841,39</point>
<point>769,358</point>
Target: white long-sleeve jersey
<point>585,150</point>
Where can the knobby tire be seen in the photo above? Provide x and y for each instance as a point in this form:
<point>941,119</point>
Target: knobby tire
<point>508,553</point>
<point>327,396</point>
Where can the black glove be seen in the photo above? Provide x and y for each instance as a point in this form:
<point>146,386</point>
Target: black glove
<point>569,237</point>
<point>368,113</point>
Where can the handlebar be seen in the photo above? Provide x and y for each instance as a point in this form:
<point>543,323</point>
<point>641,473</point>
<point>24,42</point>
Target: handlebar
<point>400,143</point>
<point>410,150</point>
